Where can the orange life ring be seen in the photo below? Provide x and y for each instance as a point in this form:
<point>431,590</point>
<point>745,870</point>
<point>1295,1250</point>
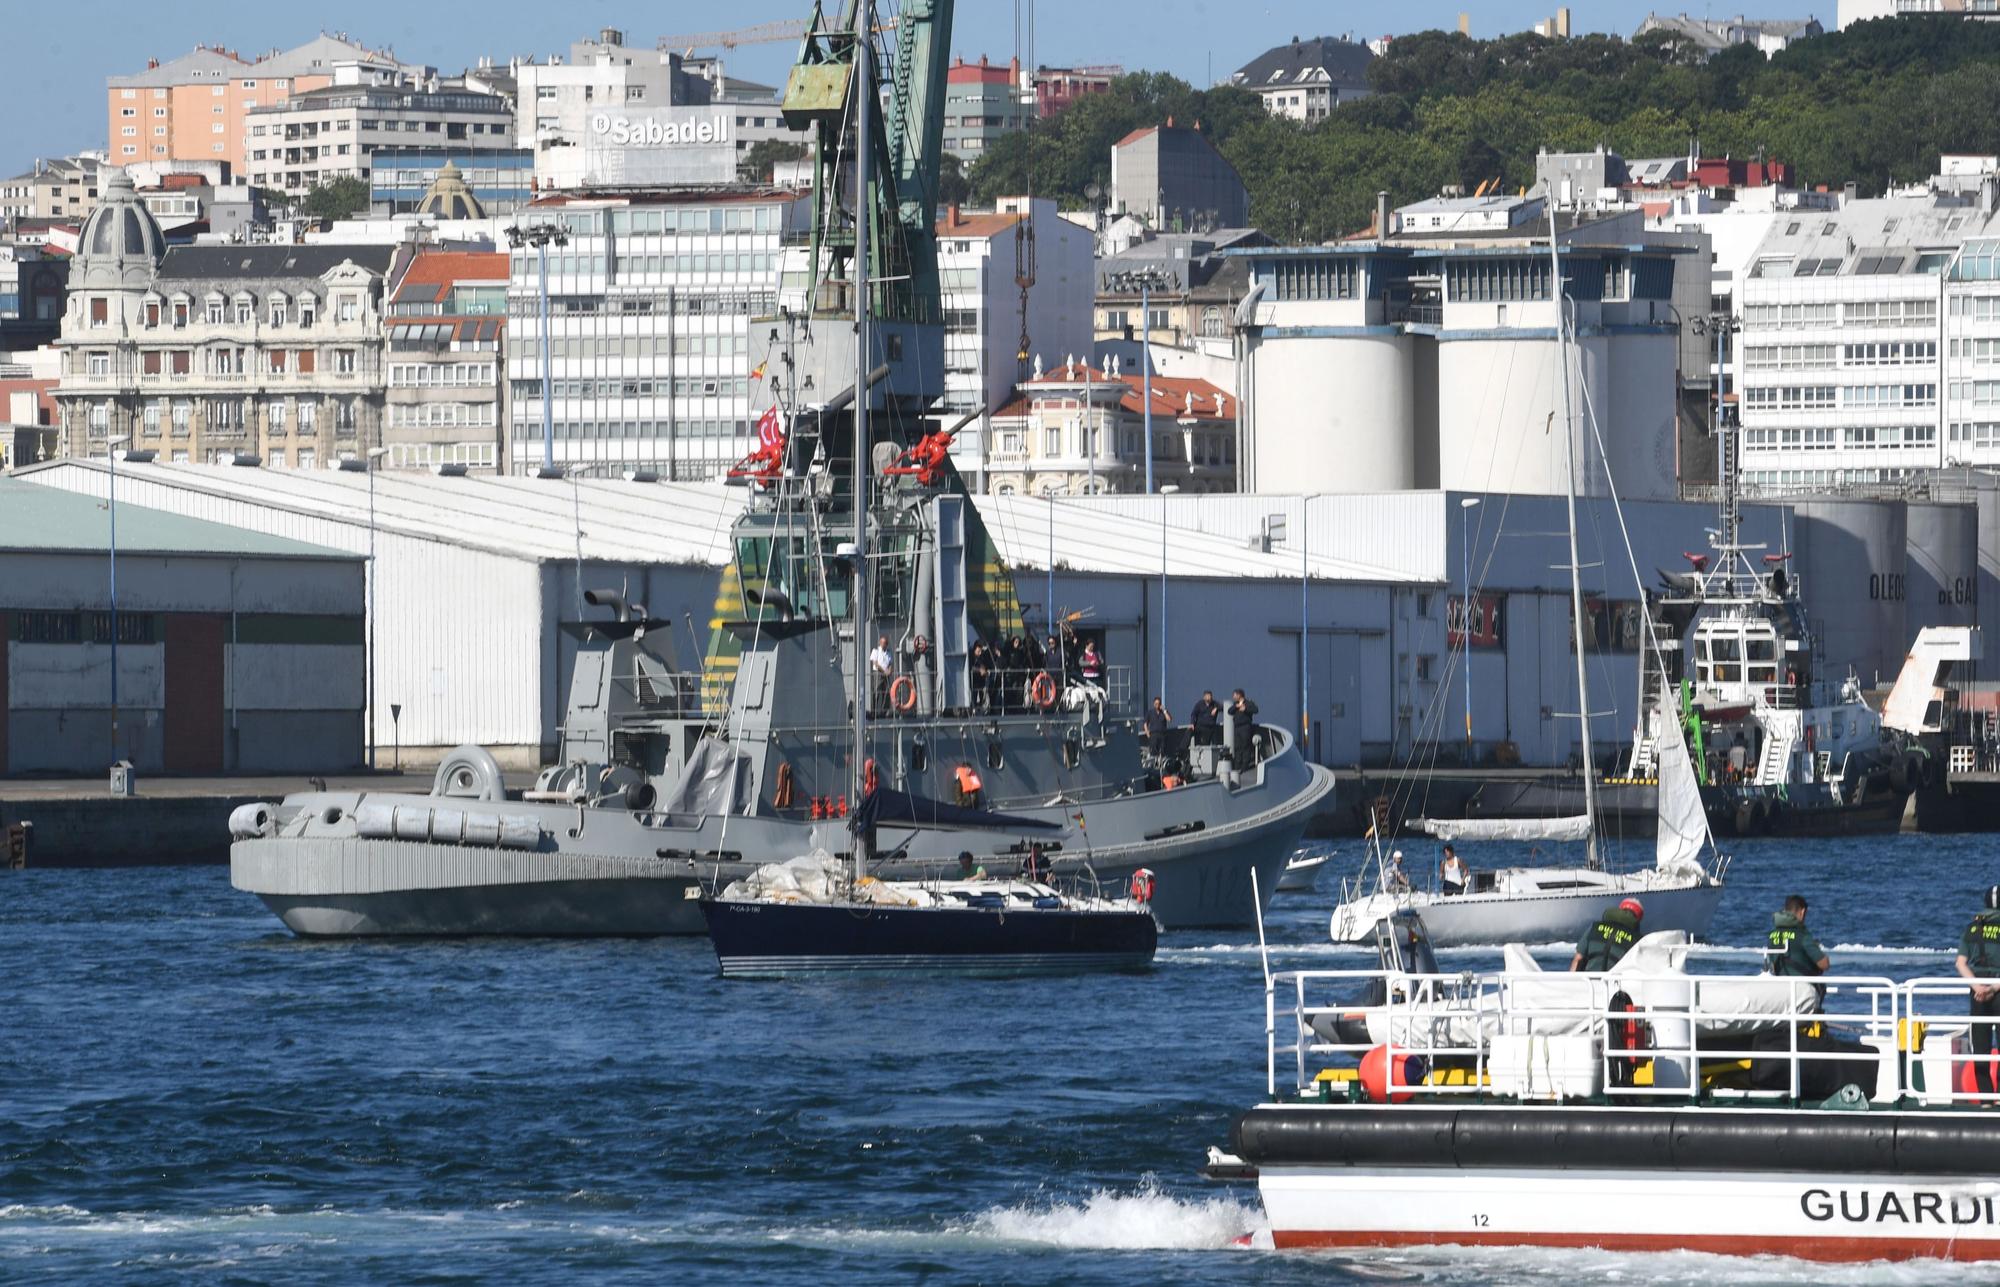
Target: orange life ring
<point>1142,885</point>
<point>1043,690</point>
<point>870,777</point>
<point>903,693</point>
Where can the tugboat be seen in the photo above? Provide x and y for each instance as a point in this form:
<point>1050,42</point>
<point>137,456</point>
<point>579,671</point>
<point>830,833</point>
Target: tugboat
<point>1647,1110</point>
<point>672,786</point>
<point>1779,746</point>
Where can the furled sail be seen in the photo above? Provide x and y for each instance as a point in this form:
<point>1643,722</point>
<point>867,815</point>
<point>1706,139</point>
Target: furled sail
<point>1576,827</point>
<point>1683,825</point>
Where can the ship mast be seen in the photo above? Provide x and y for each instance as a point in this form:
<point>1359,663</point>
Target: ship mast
<point>1575,565</point>
<point>864,101</point>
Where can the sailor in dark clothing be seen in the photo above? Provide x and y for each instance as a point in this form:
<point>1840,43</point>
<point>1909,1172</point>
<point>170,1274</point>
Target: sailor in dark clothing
<point>1158,722</point>
<point>1605,944</point>
<point>980,664</point>
<point>1244,712</point>
<point>1014,674</point>
<point>1207,720</point>
<point>1792,949</point>
<point>1979,962</point>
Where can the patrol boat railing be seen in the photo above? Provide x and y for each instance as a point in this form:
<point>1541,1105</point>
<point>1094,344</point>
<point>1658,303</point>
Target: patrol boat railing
<point>1656,1037</point>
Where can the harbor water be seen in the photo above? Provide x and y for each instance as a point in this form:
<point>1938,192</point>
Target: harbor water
<point>189,1094</point>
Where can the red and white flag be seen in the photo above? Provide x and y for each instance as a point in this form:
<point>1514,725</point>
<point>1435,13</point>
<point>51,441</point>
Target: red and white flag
<point>769,432</point>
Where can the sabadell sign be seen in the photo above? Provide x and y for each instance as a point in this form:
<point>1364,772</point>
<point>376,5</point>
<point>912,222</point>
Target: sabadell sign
<point>653,131</point>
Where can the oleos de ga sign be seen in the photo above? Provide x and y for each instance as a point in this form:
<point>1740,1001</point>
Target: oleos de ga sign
<point>660,145</point>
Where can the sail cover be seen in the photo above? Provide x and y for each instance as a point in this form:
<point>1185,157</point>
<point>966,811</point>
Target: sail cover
<point>1576,827</point>
<point>1683,827</point>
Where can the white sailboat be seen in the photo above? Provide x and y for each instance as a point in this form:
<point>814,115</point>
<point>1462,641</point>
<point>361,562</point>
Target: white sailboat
<point>1557,903</point>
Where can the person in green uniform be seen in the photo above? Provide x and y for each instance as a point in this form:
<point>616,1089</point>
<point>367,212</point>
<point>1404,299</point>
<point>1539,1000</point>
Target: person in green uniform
<point>1791,948</point>
<point>1604,944</point>
<point>1979,962</point>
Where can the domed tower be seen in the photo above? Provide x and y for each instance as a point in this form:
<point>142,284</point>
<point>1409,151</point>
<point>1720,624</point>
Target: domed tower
<point>450,197</point>
<point>109,279</point>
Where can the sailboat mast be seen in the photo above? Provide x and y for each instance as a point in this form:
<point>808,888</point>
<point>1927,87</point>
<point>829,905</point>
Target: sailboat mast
<point>1575,563</point>
<point>864,102</point>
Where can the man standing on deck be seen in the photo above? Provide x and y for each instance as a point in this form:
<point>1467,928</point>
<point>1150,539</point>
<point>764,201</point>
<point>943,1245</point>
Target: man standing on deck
<point>1244,712</point>
<point>1792,950</point>
<point>1979,962</point>
<point>1605,944</point>
<point>1158,722</point>
<point>1452,876</point>
<point>1206,719</point>
<point>881,670</point>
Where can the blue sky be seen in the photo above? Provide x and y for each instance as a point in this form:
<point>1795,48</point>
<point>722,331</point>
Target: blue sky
<point>52,97</point>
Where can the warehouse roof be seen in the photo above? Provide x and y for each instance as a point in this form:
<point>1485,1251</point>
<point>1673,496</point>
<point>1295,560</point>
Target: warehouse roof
<point>50,520</point>
<point>1353,538</point>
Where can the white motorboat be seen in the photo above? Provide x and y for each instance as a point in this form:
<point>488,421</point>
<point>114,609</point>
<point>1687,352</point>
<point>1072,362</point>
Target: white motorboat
<point>1301,874</point>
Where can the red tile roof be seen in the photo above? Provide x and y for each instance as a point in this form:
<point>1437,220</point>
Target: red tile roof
<point>432,274</point>
<point>1171,393</point>
<point>1135,136</point>
<point>974,226</point>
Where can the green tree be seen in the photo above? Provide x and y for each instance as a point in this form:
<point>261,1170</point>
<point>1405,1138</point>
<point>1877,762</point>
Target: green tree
<point>343,198</point>
<point>756,165</point>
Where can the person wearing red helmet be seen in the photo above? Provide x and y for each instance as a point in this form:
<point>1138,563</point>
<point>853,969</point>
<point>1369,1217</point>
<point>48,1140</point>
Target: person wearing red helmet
<point>1604,944</point>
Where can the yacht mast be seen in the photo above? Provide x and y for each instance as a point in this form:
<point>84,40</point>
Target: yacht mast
<point>864,102</point>
<point>1575,565</point>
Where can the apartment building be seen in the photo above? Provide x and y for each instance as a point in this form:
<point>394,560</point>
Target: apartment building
<point>333,132</point>
<point>1058,87</point>
<point>1306,79</point>
<point>447,387</point>
<point>196,107</point>
<point>1853,11</point>
<point>989,342</point>
<point>983,103</point>
<point>1171,177</point>
<point>1870,342</point>
<point>205,353</point>
<point>63,188</point>
<point>660,309</point>
<point>1081,431</point>
<point>1194,286</point>
<point>1710,36</point>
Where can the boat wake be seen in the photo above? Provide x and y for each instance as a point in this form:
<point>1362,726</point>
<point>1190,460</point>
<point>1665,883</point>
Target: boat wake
<point>1148,1219</point>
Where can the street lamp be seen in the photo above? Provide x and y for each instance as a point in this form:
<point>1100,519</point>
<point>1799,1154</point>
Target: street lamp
<point>352,464</point>
<point>1465,508</point>
<point>1144,280</point>
<point>541,236</point>
<point>112,445</point>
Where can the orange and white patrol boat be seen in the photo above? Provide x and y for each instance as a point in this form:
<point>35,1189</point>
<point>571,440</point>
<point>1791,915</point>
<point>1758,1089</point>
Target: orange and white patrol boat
<point>1695,1119</point>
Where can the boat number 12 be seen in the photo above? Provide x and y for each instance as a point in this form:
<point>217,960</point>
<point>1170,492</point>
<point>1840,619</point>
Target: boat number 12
<point>1479,1220</point>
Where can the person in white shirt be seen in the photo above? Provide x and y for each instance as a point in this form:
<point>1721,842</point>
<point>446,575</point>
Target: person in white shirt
<point>881,670</point>
<point>1454,875</point>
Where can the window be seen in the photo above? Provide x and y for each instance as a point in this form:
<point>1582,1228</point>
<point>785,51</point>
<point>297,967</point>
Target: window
<point>100,418</point>
<point>274,415</point>
<point>1497,280</point>
<point>183,414</point>
<point>308,310</point>
<point>151,415</point>
<point>1817,397</point>
<point>1789,357</point>
<point>276,358</point>
<point>180,314</point>
<point>215,312</point>
<point>307,458</point>
<point>149,362</point>
<point>182,362</point>
<point>100,311</point>
<point>308,413</point>
<point>306,361</point>
<point>100,364</point>
<point>275,458</point>
<point>277,312</point>
<point>246,311</point>
<point>1313,278</point>
<point>343,361</point>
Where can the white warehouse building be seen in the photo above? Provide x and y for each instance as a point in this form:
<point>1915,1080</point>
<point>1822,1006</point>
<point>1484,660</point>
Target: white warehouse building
<point>478,584</point>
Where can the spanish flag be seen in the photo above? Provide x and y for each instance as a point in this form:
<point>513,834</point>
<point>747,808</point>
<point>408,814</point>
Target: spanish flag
<point>758,374</point>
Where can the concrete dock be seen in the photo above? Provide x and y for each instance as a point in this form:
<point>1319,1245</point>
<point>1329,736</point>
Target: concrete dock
<point>78,823</point>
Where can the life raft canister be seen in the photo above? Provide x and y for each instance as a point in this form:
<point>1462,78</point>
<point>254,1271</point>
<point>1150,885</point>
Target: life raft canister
<point>903,693</point>
<point>1142,885</point>
<point>1043,690</point>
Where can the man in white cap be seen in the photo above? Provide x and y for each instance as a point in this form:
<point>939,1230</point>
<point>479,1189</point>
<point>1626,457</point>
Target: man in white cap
<point>1397,880</point>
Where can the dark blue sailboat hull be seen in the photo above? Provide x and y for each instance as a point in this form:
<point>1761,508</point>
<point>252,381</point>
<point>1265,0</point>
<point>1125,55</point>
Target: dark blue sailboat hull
<point>773,940</point>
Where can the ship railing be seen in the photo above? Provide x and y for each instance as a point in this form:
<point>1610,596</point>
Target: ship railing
<point>1673,1038</point>
<point>673,694</point>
